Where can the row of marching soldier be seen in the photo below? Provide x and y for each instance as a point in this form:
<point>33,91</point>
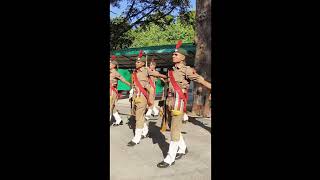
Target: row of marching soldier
<point>143,96</point>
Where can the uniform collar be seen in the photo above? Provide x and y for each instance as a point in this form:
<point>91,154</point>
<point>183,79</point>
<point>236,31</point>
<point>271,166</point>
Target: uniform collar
<point>140,69</point>
<point>179,65</point>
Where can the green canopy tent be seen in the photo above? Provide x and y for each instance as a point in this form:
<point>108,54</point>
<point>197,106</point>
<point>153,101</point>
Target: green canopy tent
<point>161,54</point>
<point>127,75</point>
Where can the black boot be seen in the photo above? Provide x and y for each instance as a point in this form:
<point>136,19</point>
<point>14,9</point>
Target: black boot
<point>179,155</point>
<point>121,123</point>
<point>163,164</point>
<point>131,143</point>
<point>148,135</point>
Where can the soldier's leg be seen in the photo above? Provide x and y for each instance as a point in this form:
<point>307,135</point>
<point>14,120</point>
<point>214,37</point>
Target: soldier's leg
<point>182,144</point>
<point>140,108</point>
<point>149,111</point>
<point>112,104</point>
<point>174,143</point>
<point>170,102</point>
<point>115,110</point>
<point>182,148</point>
<point>176,126</point>
<point>166,118</point>
<point>145,128</point>
<point>169,119</point>
<point>151,100</point>
<point>155,109</point>
<point>116,115</point>
<point>185,117</point>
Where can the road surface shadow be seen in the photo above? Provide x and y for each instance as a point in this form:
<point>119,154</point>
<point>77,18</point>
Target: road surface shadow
<point>158,138</point>
<point>131,123</point>
<point>194,121</point>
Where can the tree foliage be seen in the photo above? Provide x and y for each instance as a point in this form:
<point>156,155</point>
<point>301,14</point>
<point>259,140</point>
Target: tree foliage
<point>123,41</point>
<point>164,34</point>
<point>141,13</point>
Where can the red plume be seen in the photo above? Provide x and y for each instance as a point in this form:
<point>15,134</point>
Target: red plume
<point>179,43</point>
<point>140,54</point>
<point>113,57</point>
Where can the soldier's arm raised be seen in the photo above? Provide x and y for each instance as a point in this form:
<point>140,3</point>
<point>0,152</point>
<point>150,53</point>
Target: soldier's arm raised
<point>123,79</point>
<point>163,80</point>
<point>194,76</point>
<point>126,82</point>
<point>156,74</point>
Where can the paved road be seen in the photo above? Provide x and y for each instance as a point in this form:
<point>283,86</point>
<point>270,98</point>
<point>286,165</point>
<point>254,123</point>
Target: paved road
<point>139,162</point>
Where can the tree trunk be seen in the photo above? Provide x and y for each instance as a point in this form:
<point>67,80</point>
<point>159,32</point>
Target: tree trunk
<point>203,51</point>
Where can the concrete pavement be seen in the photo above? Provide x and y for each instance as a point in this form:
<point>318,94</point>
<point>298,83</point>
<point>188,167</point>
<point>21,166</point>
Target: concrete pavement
<point>139,162</point>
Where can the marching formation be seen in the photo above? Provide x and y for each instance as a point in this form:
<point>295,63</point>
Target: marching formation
<point>143,91</point>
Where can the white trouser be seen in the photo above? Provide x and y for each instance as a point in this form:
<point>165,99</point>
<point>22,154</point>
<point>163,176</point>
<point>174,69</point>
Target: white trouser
<point>173,148</point>
<point>155,111</point>
<point>185,117</point>
<point>145,130</point>
<point>182,145</point>
<point>137,136</point>
<point>149,112</point>
<point>117,117</point>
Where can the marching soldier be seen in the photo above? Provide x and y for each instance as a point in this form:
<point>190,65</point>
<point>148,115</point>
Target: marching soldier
<point>114,77</point>
<point>152,81</point>
<point>179,77</point>
<point>141,93</point>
